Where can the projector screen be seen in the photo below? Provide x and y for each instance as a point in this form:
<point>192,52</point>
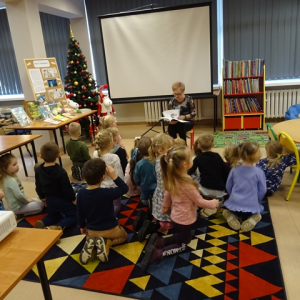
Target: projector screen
<point>146,51</point>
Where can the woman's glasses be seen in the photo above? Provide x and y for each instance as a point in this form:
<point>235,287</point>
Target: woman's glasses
<point>178,94</point>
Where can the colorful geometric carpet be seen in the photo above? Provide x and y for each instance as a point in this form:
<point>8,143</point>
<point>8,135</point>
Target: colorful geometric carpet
<point>221,139</point>
<point>219,263</point>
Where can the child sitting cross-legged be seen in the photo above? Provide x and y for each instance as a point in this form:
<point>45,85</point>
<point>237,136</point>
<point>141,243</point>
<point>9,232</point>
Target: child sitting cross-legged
<point>212,169</point>
<point>53,186</point>
<point>246,186</point>
<point>95,210</point>
<point>144,173</point>
<point>77,150</point>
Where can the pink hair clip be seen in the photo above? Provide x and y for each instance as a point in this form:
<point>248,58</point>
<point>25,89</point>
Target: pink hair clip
<point>170,159</point>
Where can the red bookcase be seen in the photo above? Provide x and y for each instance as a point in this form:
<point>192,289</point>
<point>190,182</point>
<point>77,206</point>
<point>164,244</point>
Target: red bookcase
<point>243,97</point>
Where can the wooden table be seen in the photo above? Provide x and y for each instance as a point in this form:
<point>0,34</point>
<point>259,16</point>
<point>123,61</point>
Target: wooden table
<point>291,127</point>
<point>19,252</point>
<point>11,142</point>
<point>48,126</point>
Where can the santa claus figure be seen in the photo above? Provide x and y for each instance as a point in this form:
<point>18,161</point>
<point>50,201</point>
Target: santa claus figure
<point>105,106</point>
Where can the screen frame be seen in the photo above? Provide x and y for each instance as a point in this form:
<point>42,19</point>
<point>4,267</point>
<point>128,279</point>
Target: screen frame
<point>156,10</point>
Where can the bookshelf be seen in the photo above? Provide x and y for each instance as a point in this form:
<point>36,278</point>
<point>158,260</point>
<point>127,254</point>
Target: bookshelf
<point>243,95</point>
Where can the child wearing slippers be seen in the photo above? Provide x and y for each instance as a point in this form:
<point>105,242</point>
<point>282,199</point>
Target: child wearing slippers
<point>246,186</point>
<point>95,210</point>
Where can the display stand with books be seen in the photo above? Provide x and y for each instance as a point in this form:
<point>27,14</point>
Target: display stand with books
<point>243,95</point>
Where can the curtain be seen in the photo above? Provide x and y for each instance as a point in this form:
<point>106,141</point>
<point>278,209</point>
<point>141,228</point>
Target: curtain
<point>56,32</point>
<point>10,82</point>
<point>266,29</point>
<point>95,8</point>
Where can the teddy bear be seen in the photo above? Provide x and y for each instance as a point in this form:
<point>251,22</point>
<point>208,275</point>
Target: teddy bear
<point>105,106</point>
<point>73,104</point>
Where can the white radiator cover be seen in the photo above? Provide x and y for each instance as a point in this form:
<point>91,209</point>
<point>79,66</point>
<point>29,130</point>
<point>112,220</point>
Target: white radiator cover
<point>153,110</point>
<point>279,101</point>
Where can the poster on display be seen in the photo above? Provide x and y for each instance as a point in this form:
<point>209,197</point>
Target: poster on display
<point>46,82</point>
<point>45,79</point>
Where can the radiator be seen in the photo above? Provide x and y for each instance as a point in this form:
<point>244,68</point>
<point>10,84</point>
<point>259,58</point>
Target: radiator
<point>153,110</point>
<point>279,101</point>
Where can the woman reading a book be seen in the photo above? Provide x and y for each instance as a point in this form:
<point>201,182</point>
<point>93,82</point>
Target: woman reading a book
<point>186,106</point>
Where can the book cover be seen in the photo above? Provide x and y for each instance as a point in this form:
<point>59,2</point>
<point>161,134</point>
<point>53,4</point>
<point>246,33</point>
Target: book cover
<point>45,111</point>
<point>21,116</point>
<point>33,110</point>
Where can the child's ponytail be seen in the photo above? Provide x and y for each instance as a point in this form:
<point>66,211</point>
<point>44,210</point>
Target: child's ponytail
<point>171,166</point>
<point>274,153</point>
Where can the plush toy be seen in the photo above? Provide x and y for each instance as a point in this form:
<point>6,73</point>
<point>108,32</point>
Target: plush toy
<point>73,104</point>
<point>105,106</point>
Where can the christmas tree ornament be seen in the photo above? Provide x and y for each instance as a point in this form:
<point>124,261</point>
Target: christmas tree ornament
<point>89,84</point>
<point>75,72</point>
<point>84,88</point>
<point>78,92</point>
<point>75,82</point>
<point>93,93</point>
<point>84,66</point>
<point>90,79</point>
<point>69,63</point>
<point>80,105</point>
<point>81,55</point>
<point>91,104</point>
<point>82,71</point>
<point>87,75</point>
<point>89,97</point>
<point>68,72</point>
<point>76,44</point>
<point>72,62</point>
<point>85,61</point>
<point>82,96</point>
<point>75,54</point>
<point>77,62</point>
<point>69,51</point>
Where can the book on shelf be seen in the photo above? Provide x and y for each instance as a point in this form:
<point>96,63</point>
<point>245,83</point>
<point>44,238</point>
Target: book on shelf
<point>21,116</point>
<point>245,68</point>
<point>60,118</point>
<point>172,115</point>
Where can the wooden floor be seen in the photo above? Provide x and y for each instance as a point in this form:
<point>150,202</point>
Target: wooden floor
<point>285,216</point>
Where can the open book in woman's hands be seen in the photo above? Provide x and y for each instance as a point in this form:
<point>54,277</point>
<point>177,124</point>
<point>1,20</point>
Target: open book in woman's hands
<point>172,115</point>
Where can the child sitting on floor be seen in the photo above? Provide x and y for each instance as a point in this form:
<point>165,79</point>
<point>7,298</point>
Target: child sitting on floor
<point>117,149</point>
<point>212,169</point>
<point>103,145</point>
<point>230,154</point>
<point>155,220</point>
<point>77,150</point>
<point>246,186</point>
<point>274,165</point>
<point>95,210</point>
<point>13,190</point>
<point>53,186</point>
<point>134,190</point>
<point>144,173</point>
<point>181,198</point>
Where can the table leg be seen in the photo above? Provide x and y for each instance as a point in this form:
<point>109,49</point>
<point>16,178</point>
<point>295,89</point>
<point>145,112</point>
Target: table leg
<point>23,161</point>
<point>34,152</point>
<point>62,138</point>
<point>56,141</point>
<point>44,280</point>
<point>92,120</point>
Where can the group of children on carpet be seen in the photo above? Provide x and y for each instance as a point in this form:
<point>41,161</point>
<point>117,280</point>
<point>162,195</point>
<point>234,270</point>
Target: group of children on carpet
<point>159,170</point>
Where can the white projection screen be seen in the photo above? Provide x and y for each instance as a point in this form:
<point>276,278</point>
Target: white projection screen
<point>146,51</point>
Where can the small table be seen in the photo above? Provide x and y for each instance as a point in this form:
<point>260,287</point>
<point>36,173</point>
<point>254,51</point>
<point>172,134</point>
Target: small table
<point>291,127</point>
<point>49,126</point>
<point>19,252</point>
<point>11,142</point>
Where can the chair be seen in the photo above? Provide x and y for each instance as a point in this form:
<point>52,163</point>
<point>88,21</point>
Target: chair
<point>191,137</point>
<point>286,141</point>
<point>271,133</point>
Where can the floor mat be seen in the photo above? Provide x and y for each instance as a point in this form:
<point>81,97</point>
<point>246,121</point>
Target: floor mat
<point>219,263</point>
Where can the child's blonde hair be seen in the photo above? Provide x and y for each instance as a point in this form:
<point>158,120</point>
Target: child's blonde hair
<point>5,161</point>
<point>249,152</point>
<point>231,154</point>
<point>205,141</point>
<point>114,131</point>
<point>179,142</point>
<point>102,141</point>
<point>74,127</point>
<point>171,166</point>
<point>274,149</point>
<point>108,121</point>
<point>160,141</point>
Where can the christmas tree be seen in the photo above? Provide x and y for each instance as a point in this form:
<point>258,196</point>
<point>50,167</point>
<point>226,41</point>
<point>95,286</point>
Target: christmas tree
<point>79,84</point>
